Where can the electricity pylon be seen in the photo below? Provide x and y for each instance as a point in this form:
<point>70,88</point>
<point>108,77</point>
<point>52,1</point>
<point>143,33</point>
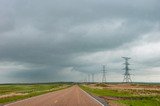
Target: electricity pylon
<point>127,77</point>
<point>104,74</point>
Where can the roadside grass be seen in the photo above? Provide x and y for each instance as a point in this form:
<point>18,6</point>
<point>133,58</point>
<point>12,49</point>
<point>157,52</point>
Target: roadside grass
<point>144,102</point>
<point>124,97</point>
<point>106,92</point>
<point>29,90</point>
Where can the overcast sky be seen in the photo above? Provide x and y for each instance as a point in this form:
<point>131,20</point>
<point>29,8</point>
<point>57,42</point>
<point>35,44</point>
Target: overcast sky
<point>64,40</point>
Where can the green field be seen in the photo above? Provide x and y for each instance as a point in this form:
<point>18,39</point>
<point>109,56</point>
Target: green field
<point>14,92</point>
<point>127,97</point>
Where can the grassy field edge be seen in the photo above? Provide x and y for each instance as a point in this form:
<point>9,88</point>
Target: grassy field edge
<point>122,98</point>
<point>32,94</point>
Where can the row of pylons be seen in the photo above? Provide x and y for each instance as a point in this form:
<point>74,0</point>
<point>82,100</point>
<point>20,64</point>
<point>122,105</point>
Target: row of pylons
<point>127,75</point>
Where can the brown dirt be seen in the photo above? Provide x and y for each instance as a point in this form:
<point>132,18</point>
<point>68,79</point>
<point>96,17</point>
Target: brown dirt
<point>137,89</point>
<point>135,86</point>
<point>127,86</point>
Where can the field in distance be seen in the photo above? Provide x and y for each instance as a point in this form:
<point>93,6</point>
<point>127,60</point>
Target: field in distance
<point>126,94</point>
<point>13,92</point>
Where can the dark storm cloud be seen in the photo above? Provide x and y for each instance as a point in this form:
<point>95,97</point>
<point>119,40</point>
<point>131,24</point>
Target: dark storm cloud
<point>48,37</point>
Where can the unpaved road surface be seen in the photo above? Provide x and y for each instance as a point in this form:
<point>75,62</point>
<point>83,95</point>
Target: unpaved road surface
<point>72,96</point>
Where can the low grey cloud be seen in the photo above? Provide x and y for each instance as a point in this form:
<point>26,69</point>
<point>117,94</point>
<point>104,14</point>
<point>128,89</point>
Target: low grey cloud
<point>44,41</point>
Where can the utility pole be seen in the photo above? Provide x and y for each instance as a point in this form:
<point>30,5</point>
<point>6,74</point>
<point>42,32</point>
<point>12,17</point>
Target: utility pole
<point>127,77</point>
<point>104,74</point>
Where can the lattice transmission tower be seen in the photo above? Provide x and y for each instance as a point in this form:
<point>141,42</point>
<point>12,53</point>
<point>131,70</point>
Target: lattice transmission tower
<point>104,74</point>
<point>127,77</point>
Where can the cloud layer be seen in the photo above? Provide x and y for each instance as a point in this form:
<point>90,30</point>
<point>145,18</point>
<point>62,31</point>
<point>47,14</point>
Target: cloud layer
<point>43,41</point>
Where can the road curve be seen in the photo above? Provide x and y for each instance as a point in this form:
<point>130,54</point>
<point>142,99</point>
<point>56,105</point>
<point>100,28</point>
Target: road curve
<point>73,96</point>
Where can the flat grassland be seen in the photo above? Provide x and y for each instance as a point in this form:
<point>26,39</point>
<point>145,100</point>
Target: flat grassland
<point>14,92</point>
<point>126,94</point>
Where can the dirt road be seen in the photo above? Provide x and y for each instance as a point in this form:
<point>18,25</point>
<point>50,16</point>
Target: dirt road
<point>72,96</point>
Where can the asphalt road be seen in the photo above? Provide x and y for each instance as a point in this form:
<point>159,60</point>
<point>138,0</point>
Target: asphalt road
<point>73,96</point>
